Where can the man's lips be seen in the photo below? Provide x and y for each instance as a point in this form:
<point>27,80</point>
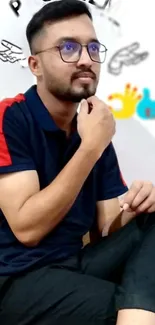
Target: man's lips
<point>85,75</point>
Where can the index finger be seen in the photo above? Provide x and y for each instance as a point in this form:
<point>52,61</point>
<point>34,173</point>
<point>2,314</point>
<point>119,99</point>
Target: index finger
<point>132,193</point>
<point>134,46</point>
<point>93,100</point>
<point>10,46</point>
<point>6,44</point>
<point>96,102</point>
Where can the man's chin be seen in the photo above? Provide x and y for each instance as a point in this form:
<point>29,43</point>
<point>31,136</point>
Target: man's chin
<point>78,97</point>
<point>84,94</point>
<point>75,95</point>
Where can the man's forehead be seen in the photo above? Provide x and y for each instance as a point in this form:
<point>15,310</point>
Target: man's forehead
<point>79,28</point>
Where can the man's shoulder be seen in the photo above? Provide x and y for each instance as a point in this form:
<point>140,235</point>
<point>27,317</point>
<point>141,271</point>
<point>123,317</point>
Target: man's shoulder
<point>12,102</point>
<point>13,110</point>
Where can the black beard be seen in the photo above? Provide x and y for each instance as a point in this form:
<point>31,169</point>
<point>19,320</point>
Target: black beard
<point>71,96</point>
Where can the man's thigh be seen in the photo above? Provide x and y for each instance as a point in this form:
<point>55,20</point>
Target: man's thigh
<point>58,296</point>
<point>138,280</point>
<point>130,251</point>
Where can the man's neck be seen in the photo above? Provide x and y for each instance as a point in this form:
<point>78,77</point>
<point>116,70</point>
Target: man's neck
<point>61,112</point>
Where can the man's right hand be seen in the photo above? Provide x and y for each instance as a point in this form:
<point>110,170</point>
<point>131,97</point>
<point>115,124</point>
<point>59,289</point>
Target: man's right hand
<point>96,128</point>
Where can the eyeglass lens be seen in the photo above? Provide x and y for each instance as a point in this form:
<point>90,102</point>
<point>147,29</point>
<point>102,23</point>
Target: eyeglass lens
<point>71,51</point>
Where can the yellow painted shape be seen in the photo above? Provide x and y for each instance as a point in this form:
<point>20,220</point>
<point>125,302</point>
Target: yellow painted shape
<point>129,100</point>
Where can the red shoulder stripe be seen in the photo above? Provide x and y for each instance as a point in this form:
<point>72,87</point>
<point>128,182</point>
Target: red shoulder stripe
<point>5,158</point>
<point>123,181</point>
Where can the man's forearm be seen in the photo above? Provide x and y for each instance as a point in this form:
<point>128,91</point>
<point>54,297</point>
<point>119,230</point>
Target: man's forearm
<point>46,209</point>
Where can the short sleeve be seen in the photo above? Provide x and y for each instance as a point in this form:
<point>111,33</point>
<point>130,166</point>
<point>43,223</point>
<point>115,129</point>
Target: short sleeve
<point>14,139</point>
<point>110,183</point>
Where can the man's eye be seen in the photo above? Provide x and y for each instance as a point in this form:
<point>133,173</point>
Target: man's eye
<point>70,47</point>
<point>94,48</point>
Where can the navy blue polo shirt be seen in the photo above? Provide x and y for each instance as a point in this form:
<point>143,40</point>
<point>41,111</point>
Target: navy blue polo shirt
<point>30,140</point>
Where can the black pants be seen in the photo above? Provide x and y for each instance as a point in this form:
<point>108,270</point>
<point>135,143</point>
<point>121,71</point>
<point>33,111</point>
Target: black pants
<point>89,289</point>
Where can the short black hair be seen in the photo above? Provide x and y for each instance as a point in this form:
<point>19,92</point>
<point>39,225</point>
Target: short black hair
<point>52,12</point>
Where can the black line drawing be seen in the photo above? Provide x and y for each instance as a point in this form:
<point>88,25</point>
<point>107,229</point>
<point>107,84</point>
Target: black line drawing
<point>15,6</point>
<point>95,3</point>
<point>102,6</point>
<point>112,20</point>
<point>126,56</point>
<point>12,53</point>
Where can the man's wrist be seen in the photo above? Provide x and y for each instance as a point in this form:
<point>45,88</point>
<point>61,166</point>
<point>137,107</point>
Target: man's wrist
<point>89,153</point>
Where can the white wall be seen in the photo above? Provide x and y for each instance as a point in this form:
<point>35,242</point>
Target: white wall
<point>14,77</point>
<point>135,137</point>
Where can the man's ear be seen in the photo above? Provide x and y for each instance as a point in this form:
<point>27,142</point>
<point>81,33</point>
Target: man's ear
<point>35,65</point>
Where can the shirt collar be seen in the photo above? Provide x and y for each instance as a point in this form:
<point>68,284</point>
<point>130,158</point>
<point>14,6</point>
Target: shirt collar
<point>40,112</point>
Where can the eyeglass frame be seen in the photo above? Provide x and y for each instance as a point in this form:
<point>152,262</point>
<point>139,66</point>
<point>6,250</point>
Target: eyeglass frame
<point>82,45</point>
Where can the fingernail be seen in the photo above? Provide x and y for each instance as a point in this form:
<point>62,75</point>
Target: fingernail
<point>126,206</point>
<point>82,101</point>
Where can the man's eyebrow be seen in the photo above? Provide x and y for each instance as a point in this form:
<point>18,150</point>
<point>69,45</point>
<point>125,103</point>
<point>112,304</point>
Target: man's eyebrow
<point>75,39</point>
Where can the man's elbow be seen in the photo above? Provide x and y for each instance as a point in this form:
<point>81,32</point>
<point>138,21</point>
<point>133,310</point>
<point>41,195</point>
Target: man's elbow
<point>27,238</point>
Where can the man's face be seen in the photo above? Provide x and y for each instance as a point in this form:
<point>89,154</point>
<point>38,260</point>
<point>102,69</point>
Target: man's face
<point>69,81</point>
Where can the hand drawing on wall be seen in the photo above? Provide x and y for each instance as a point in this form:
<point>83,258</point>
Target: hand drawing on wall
<point>132,102</point>
<point>12,53</point>
<point>125,57</point>
<point>128,99</point>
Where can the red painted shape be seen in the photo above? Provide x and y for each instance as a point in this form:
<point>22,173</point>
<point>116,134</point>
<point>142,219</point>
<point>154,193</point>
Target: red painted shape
<point>123,181</point>
<point>5,158</point>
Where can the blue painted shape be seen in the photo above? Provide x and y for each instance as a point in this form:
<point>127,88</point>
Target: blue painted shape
<point>145,109</point>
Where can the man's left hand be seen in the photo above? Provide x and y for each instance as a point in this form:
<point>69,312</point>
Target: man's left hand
<point>140,198</point>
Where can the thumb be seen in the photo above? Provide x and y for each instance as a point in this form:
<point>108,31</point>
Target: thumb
<point>146,93</point>
<point>126,206</point>
<point>123,205</point>
<point>84,108</point>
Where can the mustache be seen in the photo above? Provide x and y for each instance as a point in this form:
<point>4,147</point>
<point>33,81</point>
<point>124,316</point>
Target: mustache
<point>80,73</point>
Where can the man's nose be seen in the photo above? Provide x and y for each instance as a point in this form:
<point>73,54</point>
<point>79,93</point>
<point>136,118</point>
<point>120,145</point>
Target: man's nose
<point>84,58</point>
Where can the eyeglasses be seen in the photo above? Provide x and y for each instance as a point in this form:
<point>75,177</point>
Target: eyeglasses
<point>70,51</point>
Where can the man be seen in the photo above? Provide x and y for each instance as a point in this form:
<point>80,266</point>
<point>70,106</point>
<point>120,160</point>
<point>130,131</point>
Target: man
<point>59,180</point>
